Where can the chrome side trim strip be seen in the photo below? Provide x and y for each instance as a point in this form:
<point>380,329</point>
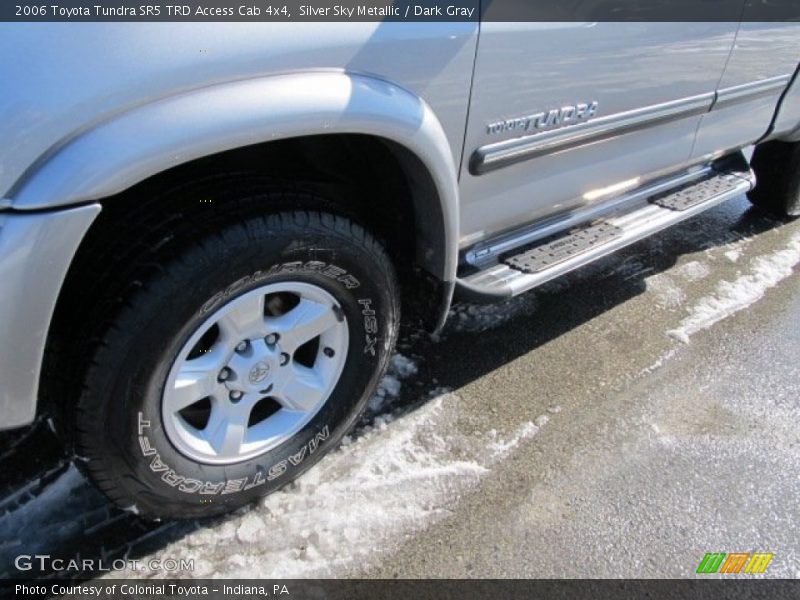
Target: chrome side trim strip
<point>502,154</point>
<point>508,152</point>
<point>5,203</point>
<point>750,91</point>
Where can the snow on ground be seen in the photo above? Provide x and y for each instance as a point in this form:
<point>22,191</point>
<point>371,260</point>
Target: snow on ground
<point>730,297</point>
<point>476,318</point>
<point>693,271</point>
<point>366,498</point>
<point>656,364</point>
<point>668,295</point>
<point>733,255</point>
<point>501,448</point>
<point>400,368</point>
<point>395,476</point>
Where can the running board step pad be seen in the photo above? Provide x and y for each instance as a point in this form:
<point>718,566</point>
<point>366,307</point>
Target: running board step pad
<point>548,254</point>
<point>696,193</point>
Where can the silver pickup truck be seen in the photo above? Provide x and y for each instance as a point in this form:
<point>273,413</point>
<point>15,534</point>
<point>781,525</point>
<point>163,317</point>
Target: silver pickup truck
<point>207,230</point>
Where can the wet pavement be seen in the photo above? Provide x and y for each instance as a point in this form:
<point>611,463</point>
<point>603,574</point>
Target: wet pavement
<point>620,422</point>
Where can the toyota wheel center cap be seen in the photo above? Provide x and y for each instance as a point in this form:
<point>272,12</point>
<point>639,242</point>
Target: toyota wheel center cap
<point>258,372</point>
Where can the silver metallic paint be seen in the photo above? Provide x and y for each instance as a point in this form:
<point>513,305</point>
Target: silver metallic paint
<point>748,92</point>
<point>67,78</point>
<point>762,52</point>
<point>89,109</point>
<point>525,67</point>
<point>35,252</point>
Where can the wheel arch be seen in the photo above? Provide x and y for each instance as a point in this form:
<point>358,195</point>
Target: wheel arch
<point>135,145</point>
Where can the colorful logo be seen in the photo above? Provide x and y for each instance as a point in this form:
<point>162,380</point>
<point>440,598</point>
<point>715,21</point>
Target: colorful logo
<point>719,562</point>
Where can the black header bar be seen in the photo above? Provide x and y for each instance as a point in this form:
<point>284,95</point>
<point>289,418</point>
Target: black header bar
<point>342,11</point>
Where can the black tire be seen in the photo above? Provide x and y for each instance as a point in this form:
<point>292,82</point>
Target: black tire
<point>777,169</point>
<point>119,436</point>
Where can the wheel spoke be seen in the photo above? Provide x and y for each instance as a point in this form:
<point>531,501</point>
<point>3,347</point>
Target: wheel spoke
<point>192,384</point>
<point>226,430</point>
<point>244,318</point>
<point>302,389</point>
<point>253,358</point>
<point>303,323</point>
<point>275,427</point>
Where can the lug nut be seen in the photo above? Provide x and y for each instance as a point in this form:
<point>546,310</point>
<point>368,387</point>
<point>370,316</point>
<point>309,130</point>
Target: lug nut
<point>284,359</point>
<point>242,346</point>
<point>224,374</point>
<point>272,339</point>
<point>328,352</point>
<point>236,396</point>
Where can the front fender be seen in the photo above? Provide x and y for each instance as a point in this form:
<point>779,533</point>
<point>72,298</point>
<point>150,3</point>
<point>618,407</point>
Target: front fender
<point>131,146</point>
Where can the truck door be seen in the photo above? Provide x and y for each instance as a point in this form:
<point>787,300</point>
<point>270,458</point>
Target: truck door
<point>638,90</point>
<point>763,61</point>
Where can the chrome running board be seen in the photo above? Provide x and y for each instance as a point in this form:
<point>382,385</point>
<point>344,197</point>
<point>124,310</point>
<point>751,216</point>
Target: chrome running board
<point>517,270</point>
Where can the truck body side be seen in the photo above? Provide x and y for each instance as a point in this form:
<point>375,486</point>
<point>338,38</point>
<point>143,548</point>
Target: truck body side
<point>91,110</point>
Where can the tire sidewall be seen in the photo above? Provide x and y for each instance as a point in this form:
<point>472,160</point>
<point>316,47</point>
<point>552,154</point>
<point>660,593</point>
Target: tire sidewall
<point>148,466</point>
